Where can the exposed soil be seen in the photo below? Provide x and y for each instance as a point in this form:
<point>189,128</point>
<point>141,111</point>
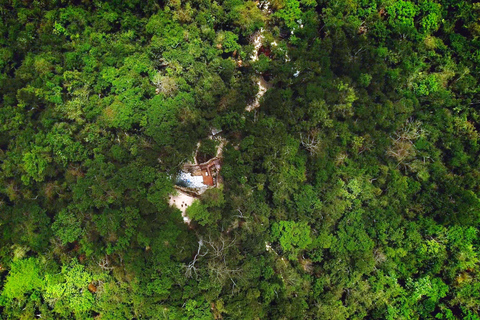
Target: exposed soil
<point>182,201</point>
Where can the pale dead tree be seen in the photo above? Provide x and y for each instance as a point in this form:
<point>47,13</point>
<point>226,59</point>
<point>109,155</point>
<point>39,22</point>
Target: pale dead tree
<point>311,142</point>
<point>220,247</point>
<point>355,55</point>
<point>222,272</point>
<point>243,220</point>
<point>105,264</point>
<point>217,263</point>
<point>403,141</point>
<point>306,264</point>
<point>411,131</point>
<point>215,251</point>
<point>166,85</point>
<point>340,159</point>
<point>240,215</point>
<point>465,72</point>
<point>379,256</point>
<point>363,28</point>
<point>162,63</point>
<point>191,268</point>
<point>401,150</point>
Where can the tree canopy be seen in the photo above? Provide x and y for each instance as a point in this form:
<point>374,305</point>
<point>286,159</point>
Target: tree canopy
<point>351,190</point>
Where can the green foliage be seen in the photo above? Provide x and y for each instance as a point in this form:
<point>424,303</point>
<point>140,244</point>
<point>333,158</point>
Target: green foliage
<point>199,212</point>
<point>197,310</point>
<point>34,163</point>
<point>67,227</point>
<point>246,16</point>
<point>229,41</point>
<point>68,291</point>
<point>426,85</point>
<point>291,14</point>
<point>401,15</point>
<point>292,236</point>
<point>25,277</point>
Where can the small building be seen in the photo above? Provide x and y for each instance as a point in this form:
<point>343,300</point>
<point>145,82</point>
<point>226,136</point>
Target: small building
<point>197,178</point>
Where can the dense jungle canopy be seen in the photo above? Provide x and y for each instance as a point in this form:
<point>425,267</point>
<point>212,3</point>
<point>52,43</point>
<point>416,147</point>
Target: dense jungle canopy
<point>350,192</point>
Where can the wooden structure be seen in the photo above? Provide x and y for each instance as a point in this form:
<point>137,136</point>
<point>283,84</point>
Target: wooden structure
<point>209,171</point>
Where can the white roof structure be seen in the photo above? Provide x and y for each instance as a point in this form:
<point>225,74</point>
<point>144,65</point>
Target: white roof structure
<point>187,180</point>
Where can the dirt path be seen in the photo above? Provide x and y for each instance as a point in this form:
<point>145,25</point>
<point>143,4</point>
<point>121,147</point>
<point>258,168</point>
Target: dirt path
<point>263,85</point>
<point>257,43</point>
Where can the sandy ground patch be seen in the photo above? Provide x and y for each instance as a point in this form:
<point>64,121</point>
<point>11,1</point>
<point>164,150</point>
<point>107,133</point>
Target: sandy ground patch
<point>182,201</point>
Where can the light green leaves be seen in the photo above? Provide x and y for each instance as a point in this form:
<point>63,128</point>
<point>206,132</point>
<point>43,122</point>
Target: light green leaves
<point>401,14</point>
<point>228,40</point>
<point>291,14</point>
<point>69,290</point>
<point>34,163</point>
<point>25,276</point>
<point>293,236</point>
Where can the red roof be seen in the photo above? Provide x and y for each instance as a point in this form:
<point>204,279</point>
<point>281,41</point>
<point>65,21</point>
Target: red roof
<point>207,178</point>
